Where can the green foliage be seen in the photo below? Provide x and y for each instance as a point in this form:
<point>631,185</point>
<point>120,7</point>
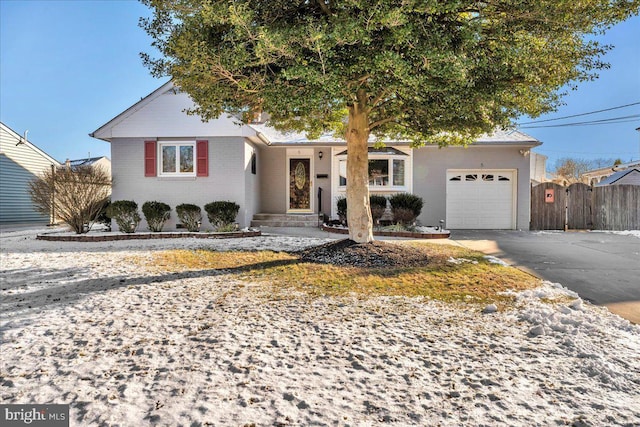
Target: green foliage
<point>125,213</point>
<point>221,214</point>
<point>342,209</point>
<point>102,217</point>
<point>429,72</point>
<point>438,72</point>
<point>378,206</point>
<point>156,214</point>
<point>405,207</point>
<point>190,216</point>
<point>377,203</point>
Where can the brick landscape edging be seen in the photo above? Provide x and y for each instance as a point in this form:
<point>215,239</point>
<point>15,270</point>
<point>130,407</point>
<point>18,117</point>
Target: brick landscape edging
<point>145,236</point>
<point>392,233</point>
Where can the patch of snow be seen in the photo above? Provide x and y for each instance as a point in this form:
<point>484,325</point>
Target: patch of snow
<point>82,324</point>
<point>494,260</point>
<point>453,260</point>
<point>634,233</point>
<point>491,308</point>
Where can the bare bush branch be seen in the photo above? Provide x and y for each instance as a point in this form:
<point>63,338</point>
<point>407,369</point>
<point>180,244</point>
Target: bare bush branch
<point>76,195</point>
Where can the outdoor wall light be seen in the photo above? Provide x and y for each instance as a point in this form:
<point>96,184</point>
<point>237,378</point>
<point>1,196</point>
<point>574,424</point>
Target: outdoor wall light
<point>320,154</point>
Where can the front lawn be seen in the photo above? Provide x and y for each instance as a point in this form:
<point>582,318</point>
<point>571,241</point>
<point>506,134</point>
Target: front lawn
<point>453,274</point>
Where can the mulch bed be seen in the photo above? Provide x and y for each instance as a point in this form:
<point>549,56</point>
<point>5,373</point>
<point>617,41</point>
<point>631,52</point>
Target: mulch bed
<point>369,255</point>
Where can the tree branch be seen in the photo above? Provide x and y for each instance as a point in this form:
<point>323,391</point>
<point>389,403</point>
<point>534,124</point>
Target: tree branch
<point>381,122</point>
<point>324,7</point>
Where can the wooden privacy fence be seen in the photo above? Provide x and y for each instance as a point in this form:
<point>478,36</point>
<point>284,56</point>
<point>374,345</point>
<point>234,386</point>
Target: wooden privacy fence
<point>580,207</point>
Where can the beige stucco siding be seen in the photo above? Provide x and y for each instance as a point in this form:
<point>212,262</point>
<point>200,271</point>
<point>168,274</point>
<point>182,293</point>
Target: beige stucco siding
<point>226,180</point>
<point>430,165</point>
<point>273,179</point>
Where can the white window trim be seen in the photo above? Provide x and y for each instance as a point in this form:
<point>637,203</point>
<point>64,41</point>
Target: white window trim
<point>177,173</point>
<point>341,190</point>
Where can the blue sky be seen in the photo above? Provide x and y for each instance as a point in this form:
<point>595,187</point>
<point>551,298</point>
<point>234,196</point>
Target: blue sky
<point>68,67</point>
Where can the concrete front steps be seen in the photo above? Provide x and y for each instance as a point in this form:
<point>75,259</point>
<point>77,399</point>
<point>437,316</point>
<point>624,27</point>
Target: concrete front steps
<point>285,220</point>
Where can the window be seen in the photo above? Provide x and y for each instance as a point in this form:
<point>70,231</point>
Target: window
<point>388,169</point>
<point>342,172</point>
<point>177,158</point>
<point>379,172</point>
<point>398,172</point>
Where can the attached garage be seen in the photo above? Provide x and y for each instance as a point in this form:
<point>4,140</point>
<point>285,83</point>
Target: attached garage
<point>481,199</point>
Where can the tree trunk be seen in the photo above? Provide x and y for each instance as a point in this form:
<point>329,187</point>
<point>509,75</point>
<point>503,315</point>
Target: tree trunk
<point>358,209</point>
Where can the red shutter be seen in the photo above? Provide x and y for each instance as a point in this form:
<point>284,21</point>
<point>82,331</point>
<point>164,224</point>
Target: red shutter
<point>150,163</point>
<point>202,155</point>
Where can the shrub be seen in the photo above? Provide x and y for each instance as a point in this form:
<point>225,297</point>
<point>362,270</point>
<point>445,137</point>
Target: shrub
<point>222,214</point>
<point>74,195</point>
<point>190,216</point>
<point>156,214</point>
<point>405,207</point>
<point>102,217</point>
<point>377,203</point>
<point>125,213</point>
<point>378,206</point>
<point>342,210</point>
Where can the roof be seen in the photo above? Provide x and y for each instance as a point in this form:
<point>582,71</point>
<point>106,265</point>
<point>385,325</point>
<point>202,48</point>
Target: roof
<point>21,140</point>
<point>607,170</point>
<point>611,179</point>
<point>383,150</point>
<point>86,162</point>
<point>271,136</point>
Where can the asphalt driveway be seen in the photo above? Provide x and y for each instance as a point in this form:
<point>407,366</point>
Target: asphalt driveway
<point>603,268</point>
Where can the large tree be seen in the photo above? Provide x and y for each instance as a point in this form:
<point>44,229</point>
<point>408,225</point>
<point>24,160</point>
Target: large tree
<point>428,71</point>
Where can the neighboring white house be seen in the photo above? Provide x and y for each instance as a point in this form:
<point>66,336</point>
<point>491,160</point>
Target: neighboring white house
<point>158,152</point>
<point>102,162</point>
<point>20,162</point>
<point>538,168</point>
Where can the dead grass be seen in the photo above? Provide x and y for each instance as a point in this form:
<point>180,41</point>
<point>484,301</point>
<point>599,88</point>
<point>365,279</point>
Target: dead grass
<point>477,281</point>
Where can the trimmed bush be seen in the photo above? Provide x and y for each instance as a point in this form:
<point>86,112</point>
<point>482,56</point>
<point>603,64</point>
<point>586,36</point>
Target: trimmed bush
<point>378,206</point>
<point>125,213</point>
<point>222,214</point>
<point>190,216</point>
<point>377,203</point>
<point>156,214</point>
<point>342,210</point>
<point>405,207</point>
<point>102,217</point>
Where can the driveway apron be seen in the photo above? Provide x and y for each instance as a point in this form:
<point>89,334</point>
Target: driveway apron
<point>603,268</point>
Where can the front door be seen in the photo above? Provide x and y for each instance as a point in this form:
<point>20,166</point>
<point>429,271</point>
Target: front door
<point>300,184</point>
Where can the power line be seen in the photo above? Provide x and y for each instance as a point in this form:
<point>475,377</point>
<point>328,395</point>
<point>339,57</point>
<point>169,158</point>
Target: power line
<point>581,114</point>
<point>611,153</point>
<point>612,120</point>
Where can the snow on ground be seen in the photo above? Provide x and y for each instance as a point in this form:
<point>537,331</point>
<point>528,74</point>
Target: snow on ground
<point>82,325</point>
<point>635,233</point>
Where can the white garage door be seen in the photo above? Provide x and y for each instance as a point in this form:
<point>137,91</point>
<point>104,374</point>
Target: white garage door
<point>480,199</point>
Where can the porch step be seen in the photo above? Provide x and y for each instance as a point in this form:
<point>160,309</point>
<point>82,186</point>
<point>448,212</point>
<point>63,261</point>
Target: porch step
<point>285,220</point>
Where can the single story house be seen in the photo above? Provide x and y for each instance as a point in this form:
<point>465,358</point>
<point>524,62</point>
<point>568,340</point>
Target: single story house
<point>101,162</point>
<point>629,176</point>
<point>20,162</point>
<point>158,152</point>
<point>595,176</point>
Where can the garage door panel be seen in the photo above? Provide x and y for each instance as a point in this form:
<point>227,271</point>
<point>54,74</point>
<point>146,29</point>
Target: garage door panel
<point>480,199</point>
